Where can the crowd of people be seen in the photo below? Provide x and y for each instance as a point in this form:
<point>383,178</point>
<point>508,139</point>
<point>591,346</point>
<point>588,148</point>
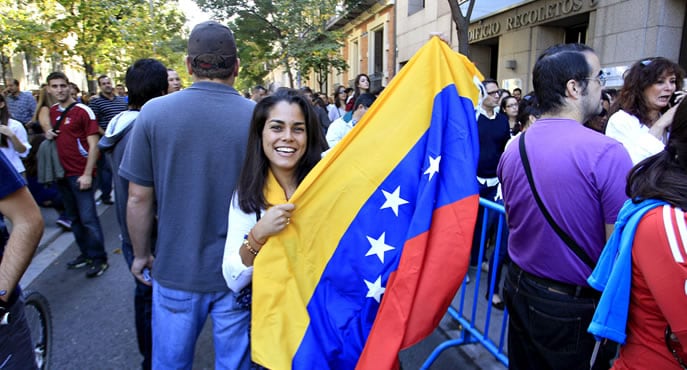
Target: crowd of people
<point>596,248</point>
<point>592,181</point>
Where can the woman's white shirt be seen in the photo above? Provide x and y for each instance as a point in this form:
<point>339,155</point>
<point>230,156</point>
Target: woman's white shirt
<point>236,274</point>
<point>12,155</point>
<point>335,112</point>
<point>634,136</point>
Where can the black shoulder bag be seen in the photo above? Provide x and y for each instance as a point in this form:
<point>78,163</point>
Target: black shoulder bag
<point>574,247</point>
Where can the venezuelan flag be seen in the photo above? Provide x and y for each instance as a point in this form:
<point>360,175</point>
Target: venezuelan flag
<point>380,238</point>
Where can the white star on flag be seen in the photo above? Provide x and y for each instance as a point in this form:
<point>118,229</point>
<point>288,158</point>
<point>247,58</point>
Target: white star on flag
<point>433,167</point>
<point>393,200</point>
<point>375,290</point>
<point>378,247</point>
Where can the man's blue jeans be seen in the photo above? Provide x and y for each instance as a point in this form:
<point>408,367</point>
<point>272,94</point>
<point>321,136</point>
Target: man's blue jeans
<point>16,350</point>
<point>178,318</point>
<point>548,329</point>
<point>80,209</point>
<point>103,179</point>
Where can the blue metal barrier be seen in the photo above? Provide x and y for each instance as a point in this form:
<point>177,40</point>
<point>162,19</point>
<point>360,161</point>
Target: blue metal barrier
<point>472,329</point>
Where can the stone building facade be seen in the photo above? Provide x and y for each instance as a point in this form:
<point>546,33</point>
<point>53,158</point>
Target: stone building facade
<point>505,44</point>
<point>369,45</point>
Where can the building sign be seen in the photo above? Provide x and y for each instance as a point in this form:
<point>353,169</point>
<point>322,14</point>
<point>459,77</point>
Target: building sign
<point>511,83</point>
<point>527,15</point>
<point>614,75</point>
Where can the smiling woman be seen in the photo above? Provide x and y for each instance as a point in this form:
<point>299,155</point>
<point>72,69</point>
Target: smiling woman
<point>284,144</point>
<point>284,140</point>
<point>643,112</point>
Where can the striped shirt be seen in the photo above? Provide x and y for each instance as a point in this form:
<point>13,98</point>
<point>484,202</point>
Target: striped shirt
<point>105,108</point>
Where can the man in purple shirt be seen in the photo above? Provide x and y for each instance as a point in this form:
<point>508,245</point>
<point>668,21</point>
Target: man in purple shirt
<point>579,175</point>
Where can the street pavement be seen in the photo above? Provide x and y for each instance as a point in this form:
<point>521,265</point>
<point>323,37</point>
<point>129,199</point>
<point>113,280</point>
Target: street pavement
<point>93,319</point>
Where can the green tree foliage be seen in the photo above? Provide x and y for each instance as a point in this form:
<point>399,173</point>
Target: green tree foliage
<point>321,57</point>
<point>291,33</point>
<point>97,36</point>
<point>21,31</point>
<point>108,35</point>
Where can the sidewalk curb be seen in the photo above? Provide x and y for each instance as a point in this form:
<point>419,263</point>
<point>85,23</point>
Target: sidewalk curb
<point>53,243</point>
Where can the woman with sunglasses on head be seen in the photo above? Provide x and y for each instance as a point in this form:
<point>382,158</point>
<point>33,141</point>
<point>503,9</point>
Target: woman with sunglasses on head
<point>643,268</point>
<point>641,115</point>
<point>338,108</point>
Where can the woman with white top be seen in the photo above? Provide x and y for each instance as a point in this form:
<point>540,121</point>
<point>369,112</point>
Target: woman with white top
<point>283,146</point>
<point>14,143</point>
<point>338,108</point>
<point>642,113</point>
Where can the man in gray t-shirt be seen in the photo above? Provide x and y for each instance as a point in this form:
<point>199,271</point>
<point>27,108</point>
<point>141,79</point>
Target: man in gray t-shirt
<point>182,163</point>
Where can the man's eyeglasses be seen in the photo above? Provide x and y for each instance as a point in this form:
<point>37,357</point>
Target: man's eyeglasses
<point>601,78</point>
<point>493,93</point>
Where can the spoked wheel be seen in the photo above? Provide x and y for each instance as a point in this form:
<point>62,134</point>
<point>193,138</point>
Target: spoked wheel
<point>37,312</point>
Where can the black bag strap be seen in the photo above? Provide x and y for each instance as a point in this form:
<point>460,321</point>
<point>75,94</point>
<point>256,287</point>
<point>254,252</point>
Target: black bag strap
<point>574,247</point>
<point>64,114</point>
<point>670,338</point>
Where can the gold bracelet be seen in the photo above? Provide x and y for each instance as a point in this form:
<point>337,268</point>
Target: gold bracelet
<point>247,245</point>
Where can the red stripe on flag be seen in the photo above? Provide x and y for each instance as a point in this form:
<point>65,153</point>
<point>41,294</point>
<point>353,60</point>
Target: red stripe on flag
<point>431,269</point>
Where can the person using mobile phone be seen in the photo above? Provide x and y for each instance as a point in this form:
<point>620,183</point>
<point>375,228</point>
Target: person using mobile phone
<point>641,115</point>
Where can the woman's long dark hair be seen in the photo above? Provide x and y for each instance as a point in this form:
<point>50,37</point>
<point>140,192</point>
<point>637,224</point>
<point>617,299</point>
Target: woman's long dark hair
<point>251,184</point>
<point>338,103</point>
<point>641,75</point>
<point>664,175</point>
<point>4,120</point>
<point>517,127</point>
<point>357,92</point>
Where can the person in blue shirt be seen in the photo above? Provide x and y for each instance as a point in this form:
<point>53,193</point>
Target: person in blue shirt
<point>17,204</point>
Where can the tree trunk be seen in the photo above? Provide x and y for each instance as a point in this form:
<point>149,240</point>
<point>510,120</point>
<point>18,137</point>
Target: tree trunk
<point>462,23</point>
<point>322,79</point>
<point>5,61</point>
<point>288,71</point>
<point>90,77</point>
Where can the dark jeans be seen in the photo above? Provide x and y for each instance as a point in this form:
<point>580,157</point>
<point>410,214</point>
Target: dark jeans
<point>103,177</point>
<point>547,329</point>
<point>500,259</point>
<point>143,310</point>
<point>80,209</point>
<point>488,193</point>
